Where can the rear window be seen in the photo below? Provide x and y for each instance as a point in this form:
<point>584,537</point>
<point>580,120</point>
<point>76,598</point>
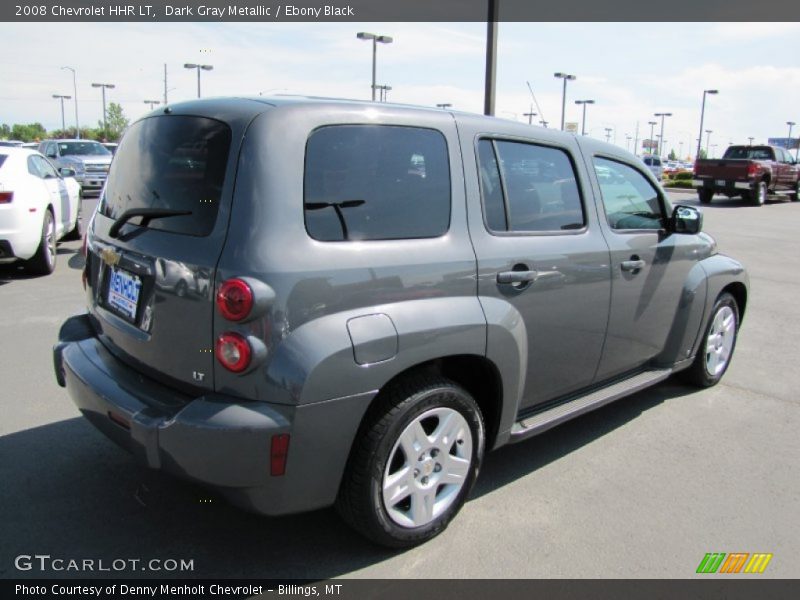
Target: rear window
<point>170,162</point>
<point>748,152</point>
<point>376,182</point>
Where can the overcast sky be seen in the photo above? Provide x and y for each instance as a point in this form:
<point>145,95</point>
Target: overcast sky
<point>631,70</point>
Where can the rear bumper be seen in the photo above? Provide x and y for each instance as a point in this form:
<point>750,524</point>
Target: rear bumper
<point>733,187</point>
<point>216,440</point>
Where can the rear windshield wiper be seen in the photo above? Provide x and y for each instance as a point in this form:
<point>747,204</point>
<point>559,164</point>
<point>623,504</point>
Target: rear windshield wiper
<point>147,214</point>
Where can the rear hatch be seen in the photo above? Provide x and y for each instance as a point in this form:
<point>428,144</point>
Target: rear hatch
<point>723,169</point>
<point>155,242</point>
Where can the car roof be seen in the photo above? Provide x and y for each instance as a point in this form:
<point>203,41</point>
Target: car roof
<point>18,151</point>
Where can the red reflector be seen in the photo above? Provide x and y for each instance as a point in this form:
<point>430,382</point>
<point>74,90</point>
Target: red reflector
<point>6,197</point>
<point>279,452</point>
<point>233,352</point>
<point>119,420</point>
<point>235,299</point>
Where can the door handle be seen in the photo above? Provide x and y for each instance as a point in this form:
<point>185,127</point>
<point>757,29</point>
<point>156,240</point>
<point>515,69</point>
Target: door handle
<point>633,264</point>
<point>517,276</point>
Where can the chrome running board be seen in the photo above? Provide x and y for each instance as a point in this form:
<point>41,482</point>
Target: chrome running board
<point>551,417</point>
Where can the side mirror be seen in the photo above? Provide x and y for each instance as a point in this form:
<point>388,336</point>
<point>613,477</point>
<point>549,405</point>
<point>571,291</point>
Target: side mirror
<point>67,172</point>
<point>51,155</point>
<point>686,219</point>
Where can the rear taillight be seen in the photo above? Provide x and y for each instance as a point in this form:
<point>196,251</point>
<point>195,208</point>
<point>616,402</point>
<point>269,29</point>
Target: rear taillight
<point>235,299</point>
<point>233,352</point>
<point>752,169</point>
<point>6,197</point>
<point>279,452</point>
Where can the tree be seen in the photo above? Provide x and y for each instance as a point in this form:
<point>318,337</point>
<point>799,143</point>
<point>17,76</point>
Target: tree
<point>28,133</point>
<point>672,155</point>
<point>5,131</point>
<point>116,121</point>
<point>702,154</point>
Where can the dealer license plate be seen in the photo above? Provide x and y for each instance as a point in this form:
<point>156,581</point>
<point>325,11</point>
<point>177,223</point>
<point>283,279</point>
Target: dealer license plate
<point>123,292</point>
<point>721,182</point>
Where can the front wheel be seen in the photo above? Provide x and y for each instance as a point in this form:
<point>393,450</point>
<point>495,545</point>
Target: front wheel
<point>719,341</point>
<point>44,261</point>
<point>414,462</point>
<point>76,233</point>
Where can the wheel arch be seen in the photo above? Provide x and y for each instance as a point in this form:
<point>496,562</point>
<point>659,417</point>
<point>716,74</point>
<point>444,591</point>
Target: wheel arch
<point>478,375</point>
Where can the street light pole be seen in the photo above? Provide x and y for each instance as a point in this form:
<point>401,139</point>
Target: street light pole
<point>530,115</point>
<point>751,140</point>
<point>566,77</point>
<point>652,124</point>
<point>661,137</point>
<point>383,39</point>
<point>152,103</point>
<point>702,116</point>
<point>583,124</point>
<point>608,133</point>
<point>708,139</point>
<point>75,96</point>
<point>198,67</point>
<point>444,105</point>
<point>628,139</point>
<point>63,123</point>
<point>103,87</point>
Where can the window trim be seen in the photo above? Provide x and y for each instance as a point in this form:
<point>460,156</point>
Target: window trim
<point>659,193</point>
<point>450,198</point>
<point>508,138</point>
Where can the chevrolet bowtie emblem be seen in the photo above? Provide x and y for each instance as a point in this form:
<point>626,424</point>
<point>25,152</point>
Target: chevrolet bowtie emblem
<point>110,257</point>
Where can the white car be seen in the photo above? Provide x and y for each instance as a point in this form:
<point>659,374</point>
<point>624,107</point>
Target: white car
<point>38,206</point>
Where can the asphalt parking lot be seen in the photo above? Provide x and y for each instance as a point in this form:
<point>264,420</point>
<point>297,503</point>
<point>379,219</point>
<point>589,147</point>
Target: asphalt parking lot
<point>642,488</point>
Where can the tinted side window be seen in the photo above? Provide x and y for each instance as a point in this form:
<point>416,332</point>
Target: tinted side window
<point>376,182</point>
<point>33,167</point>
<point>538,184</point>
<point>630,201</point>
<point>45,168</point>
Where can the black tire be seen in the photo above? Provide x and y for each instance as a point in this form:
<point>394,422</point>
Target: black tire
<point>705,195</point>
<point>44,261</point>
<point>796,194</point>
<point>76,233</point>
<point>699,373</point>
<point>759,194</point>
<point>405,405</point>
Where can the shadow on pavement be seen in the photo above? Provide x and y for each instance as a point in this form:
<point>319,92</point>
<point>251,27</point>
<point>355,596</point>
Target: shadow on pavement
<point>71,493</point>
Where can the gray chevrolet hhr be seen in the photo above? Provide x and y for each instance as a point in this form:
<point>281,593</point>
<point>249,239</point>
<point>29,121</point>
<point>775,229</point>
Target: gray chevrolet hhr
<point>304,302</point>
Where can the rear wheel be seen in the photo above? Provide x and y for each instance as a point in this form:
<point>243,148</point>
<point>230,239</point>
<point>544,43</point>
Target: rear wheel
<point>414,462</point>
<point>705,195</point>
<point>759,194</point>
<point>719,342</point>
<point>796,195</point>
<point>44,261</point>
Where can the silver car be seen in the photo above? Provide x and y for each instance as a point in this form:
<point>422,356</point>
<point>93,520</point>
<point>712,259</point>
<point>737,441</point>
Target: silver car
<point>655,165</point>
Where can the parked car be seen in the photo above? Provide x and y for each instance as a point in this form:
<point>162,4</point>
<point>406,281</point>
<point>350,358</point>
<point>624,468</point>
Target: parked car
<point>110,146</point>
<point>653,163</point>
<point>11,143</point>
<point>38,206</point>
<point>752,172</point>
<point>90,160</point>
<point>376,331</point>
